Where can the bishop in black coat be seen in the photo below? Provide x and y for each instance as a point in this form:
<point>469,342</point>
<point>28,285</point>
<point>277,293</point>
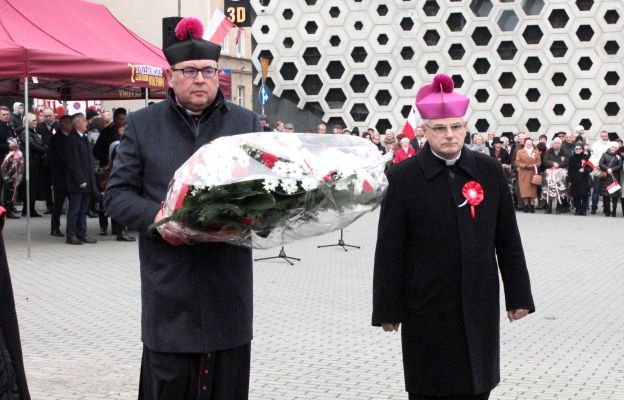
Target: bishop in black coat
<point>437,267</point>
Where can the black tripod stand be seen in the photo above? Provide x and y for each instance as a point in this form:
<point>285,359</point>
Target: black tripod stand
<point>340,243</point>
<point>282,254</point>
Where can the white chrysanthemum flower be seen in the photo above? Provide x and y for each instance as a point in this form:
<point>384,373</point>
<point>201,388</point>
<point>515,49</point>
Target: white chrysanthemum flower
<point>270,184</point>
<point>289,186</point>
<point>281,168</point>
<point>294,171</point>
<point>309,183</point>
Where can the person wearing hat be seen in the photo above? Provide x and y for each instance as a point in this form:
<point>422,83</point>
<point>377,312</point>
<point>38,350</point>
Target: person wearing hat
<point>196,300</point>
<point>447,227</point>
<point>289,128</point>
<point>264,122</point>
<point>598,148</point>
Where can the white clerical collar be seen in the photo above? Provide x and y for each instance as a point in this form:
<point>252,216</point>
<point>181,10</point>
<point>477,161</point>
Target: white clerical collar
<point>189,112</point>
<point>450,162</point>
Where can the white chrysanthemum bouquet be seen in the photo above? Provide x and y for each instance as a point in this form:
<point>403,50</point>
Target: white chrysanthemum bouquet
<point>265,189</point>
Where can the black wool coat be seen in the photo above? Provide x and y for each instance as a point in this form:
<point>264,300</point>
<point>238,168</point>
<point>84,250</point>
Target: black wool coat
<point>12,376</point>
<point>79,161</point>
<point>195,299</point>
<point>57,156</point>
<point>436,271</point>
<point>579,181</point>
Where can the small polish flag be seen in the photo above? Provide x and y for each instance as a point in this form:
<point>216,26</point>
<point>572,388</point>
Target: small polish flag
<point>613,188</point>
<point>589,164</point>
<point>409,130</point>
<point>218,27</point>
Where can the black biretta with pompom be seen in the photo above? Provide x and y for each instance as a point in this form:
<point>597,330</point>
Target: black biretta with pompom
<point>189,44</point>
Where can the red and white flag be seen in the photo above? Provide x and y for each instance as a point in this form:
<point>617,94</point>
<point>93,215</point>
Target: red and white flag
<point>614,187</point>
<point>218,27</point>
<point>587,163</point>
<point>409,130</point>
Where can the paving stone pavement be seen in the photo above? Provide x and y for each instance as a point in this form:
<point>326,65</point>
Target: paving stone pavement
<point>79,314</point>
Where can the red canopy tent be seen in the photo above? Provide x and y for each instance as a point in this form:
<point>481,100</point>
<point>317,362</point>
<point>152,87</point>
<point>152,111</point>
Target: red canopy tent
<point>76,50</point>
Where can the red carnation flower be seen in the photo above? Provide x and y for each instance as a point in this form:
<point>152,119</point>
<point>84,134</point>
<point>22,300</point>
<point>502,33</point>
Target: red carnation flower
<point>269,160</point>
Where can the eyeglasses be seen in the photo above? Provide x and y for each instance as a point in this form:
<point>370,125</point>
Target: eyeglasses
<point>442,129</point>
<point>207,72</point>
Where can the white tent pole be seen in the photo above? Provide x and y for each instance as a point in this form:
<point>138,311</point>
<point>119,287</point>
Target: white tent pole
<point>27,147</point>
<point>146,97</point>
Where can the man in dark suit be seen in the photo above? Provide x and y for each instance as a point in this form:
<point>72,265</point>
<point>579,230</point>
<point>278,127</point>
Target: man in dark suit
<point>47,129</point>
<point>80,181</point>
<point>419,139</point>
<point>57,155</point>
<point>446,220</point>
<point>13,383</point>
<point>197,300</point>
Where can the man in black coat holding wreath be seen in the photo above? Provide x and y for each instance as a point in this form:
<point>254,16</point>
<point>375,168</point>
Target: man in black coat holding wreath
<point>196,300</point>
<point>447,227</point>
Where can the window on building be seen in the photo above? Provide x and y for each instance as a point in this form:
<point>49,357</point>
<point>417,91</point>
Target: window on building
<point>240,47</point>
<point>241,95</point>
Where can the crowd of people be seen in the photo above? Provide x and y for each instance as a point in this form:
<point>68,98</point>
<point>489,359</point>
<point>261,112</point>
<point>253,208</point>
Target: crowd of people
<point>569,172</point>
<point>70,158</point>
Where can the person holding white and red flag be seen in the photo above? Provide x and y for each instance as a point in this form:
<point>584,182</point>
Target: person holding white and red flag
<point>611,163</point>
<point>447,227</point>
<point>196,300</point>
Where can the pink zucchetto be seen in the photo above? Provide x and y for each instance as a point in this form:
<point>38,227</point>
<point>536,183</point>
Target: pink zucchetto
<point>438,101</point>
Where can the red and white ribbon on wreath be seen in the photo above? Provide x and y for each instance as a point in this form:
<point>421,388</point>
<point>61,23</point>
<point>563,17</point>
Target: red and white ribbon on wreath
<point>550,181</point>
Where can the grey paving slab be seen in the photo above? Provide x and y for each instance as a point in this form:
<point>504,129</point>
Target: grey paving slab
<point>79,313</point>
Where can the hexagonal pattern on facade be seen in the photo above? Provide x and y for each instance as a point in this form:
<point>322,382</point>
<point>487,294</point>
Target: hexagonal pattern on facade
<point>528,65</point>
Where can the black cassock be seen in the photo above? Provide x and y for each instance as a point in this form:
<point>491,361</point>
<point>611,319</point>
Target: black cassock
<point>436,271</point>
<point>12,377</point>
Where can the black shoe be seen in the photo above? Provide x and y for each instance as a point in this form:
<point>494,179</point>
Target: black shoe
<point>47,212</point>
<point>548,211</point>
<point>91,214</point>
<point>56,232</point>
<point>103,232</point>
<point>12,215</point>
<point>73,240</point>
<point>614,214</point>
<point>88,240</point>
<point>125,238</point>
<point>593,211</point>
<point>532,209</point>
<point>525,209</point>
<point>607,214</point>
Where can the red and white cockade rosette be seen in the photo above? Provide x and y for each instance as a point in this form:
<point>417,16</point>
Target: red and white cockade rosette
<point>473,192</point>
<point>265,189</point>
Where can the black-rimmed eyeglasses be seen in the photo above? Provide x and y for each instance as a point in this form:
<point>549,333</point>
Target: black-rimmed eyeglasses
<point>207,72</point>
